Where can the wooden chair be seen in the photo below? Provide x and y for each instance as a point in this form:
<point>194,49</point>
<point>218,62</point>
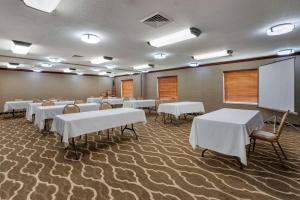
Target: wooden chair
<point>78,101</point>
<point>157,102</point>
<point>48,103</point>
<point>52,99</point>
<point>140,98</point>
<point>105,106</point>
<point>71,108</point>
<point>37,101</point>
<point>126,98</point>
<point>104,94</point>
<point>109,93</point>
<point>270,137</point>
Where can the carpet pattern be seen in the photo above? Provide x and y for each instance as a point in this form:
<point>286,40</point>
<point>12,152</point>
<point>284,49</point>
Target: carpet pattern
<point>160,165</point>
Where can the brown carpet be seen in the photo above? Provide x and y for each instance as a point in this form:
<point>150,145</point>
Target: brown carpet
<point>160,165</point>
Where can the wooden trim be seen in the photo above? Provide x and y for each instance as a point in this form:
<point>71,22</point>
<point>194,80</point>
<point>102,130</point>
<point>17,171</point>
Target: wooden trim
<point>225,62</point>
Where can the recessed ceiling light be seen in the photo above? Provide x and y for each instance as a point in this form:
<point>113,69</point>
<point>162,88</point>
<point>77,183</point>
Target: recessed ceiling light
<point>90,38</point>
<point>12,65</point>
<point>67,70</point>
<point>144,71</point>
<point>285,52</point>
<point>102,73</point>
<point>47,65</point>
<point>110,66</point>
<point>146,66</point>
<point>193,64</point>
<point>42,5</point>
<point>19,47</point>
<point>213,55</point>
<point>111,75</point>
<point>95,69</point>
<point>55,60</point>
<point>281,29</point>
<point>101,59</point>
<point>160,56</point>
<point>130,73</point>
<point>36,70</point>
<point>80,73</point>
<point>175,37</point>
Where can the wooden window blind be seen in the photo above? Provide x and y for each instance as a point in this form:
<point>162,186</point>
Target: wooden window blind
<point>127,88</point>
<point>167,87</point>
<point>241,86</point>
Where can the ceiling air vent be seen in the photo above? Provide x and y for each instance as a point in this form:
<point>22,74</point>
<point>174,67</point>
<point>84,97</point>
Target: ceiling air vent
<point>157,20</point>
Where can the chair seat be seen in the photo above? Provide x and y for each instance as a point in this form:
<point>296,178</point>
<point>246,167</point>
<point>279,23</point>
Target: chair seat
<point>263,135</point>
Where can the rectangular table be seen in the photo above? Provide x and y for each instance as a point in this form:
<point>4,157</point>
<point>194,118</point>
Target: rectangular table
<point>225,131</point>
<point>178,108</point>
<point>15,105</point>
<point>32,107</point>
<point>113,101</point>
<point>139,103</point>
<point>94,100</point>
<point>49,112</point>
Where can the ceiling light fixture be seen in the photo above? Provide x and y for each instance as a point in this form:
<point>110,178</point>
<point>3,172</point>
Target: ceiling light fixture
<point>95,69</point>
<point>102,73</point>
<point>144,71</point>
<point>47,65</point>
<point>101,59</point>
<point>19,47</point>
<point>36,70</point>
<point>284,52</point>
<point>213,55</point>
<point>281,29</point>
<point>79,73</point>
<point>146,66</point>
<point>55,60</point>
<point>12,65</point>
<point>67,70</point>
<point>110,66</point>
<point>175,37</point>
<point>160,56</point>
<point>43,5</point>
<point>130,73</point>
<point>193,64</point>
<point>90,38</point>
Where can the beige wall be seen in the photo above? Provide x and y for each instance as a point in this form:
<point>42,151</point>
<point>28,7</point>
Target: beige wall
<point>206,84</point>
<point>26,85</point>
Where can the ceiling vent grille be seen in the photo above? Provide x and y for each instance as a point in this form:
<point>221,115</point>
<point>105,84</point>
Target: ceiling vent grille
<point>157,20</point>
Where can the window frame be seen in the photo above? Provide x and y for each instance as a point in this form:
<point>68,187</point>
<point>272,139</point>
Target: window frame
<point>157,85</point>
<point>132,86</point>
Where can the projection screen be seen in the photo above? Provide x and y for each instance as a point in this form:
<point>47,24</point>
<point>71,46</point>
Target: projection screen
<point>277,85</point>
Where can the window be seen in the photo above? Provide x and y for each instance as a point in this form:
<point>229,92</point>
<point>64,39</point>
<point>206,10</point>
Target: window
<point>127,88</point>
<point>241,86</point>
<point>167,87</point>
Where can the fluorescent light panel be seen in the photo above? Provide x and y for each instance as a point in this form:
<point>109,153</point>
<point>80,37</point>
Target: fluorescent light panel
<point>213,55</point>
<point>19,47</point>
<point>285,52</point>
<point>46,65</point>
<point>55,60</point>
<point>102,73</point>
<point>101,59</point>
<point>142,67</point>
<point>43,5</point>
<point>12,65</point>
<point>160,56</point>
<point>281,29</point>
<point>175,37</point>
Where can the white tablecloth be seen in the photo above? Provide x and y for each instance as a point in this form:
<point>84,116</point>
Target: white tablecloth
<point>49,112</point>
<point>15,105</point>
<point>32,107</point>
<point>178,108</point>
<point>94,100</point>
<point>76,124</point>
<point>225,131</point>
<point>139,103</point>
<point>114,101</point>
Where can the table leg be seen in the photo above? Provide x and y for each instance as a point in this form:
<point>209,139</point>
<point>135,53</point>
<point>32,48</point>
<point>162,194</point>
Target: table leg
<point>240,163</point>
<point>74,146</point>
<point>131,129</point>
<point>13,112</point>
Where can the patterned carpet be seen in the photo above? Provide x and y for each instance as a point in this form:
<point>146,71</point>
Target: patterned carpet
<point>160,165</point>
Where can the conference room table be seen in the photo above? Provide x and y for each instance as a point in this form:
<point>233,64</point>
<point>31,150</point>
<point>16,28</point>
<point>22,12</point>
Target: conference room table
<point>178,108</point>
<point>49,112</point>
<point>113,101</point>
<point>226,131</point>
<point>32,107</point>
<point>16,105</point>
<point>94,100</point>
<point>77,124</point>
<point>142,103</point>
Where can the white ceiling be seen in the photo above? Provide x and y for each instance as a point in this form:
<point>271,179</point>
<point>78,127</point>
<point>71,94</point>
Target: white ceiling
<point>239,25</point>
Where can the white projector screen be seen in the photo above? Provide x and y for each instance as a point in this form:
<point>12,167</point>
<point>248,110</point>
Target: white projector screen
<point>277,85</point>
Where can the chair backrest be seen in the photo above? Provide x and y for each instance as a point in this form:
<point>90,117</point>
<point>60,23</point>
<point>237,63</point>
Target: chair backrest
<point>105,106</point>
<point>52,99</point>
<point>48,103</point>
<point>78,101</point>
<point>18,99</point>
<point>109,92</point>
<point>281,125</point>
<point>71,108</point>
<point>104,94</point>
<point>140,98</point>
<point>37,101</point>
<point>125,98</point>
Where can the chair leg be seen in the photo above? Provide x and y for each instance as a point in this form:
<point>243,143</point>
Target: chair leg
<point>277,153</point>
<point>254,142</point>
<point>249,148</point>
<point>61,138</point>
<point>107,134</point>
<point>86,139</point>
<point>282,150</point>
